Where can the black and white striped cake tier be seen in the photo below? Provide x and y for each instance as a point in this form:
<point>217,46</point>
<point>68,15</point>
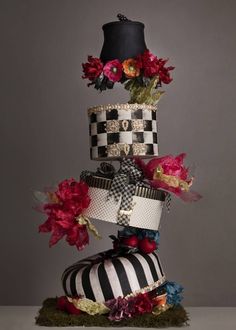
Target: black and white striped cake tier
<point>123,130</point>
<point>101,277</point>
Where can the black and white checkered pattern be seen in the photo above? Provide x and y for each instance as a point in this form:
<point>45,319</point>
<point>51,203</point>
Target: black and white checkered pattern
<point>129,167</point>
<point>118,186</point>
<point>123,185</point>
<point>126,205</point>
<point>101,139</point>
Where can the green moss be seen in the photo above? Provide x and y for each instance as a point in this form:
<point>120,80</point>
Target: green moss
<point>50,316</point>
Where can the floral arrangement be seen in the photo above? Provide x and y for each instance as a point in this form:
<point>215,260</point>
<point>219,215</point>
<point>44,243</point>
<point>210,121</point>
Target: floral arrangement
<point>169,174</point>
<point>125,307</point>
<point>141,75</point>
<point>136,239</point>
<point>64,208</point>
<point>174,293</point>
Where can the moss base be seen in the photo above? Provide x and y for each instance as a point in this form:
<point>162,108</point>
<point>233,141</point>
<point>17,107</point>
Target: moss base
<point>50,316</point>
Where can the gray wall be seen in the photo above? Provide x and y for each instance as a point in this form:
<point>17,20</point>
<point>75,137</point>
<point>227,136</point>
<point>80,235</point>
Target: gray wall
<point>44,135</point>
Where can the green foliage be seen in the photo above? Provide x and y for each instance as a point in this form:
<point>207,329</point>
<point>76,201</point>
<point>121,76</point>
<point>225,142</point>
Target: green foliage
<point>50,316</point>
<point>146,92</point>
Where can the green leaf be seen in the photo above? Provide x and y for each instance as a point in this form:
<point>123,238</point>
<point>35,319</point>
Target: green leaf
<point>146,92</point>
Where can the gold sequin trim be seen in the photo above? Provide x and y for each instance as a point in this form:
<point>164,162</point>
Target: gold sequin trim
<point>119,106</point>
<point>137,125</point>
<point>118,149</point>
<point>112,126</point>
<point>147,288</point>
<point>121,149</point>
<point>139,149</point>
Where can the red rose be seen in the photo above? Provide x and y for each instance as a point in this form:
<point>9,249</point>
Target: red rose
<point>92,69</point>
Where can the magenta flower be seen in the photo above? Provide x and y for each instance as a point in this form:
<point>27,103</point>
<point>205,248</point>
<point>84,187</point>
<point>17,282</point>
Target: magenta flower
<point>65,204</point>
<point>170,174</point>
<point>113,70</point>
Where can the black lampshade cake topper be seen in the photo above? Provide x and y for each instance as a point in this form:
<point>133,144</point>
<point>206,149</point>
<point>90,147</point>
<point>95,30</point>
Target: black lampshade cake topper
<point>122,39</point>
<point>127,283</point>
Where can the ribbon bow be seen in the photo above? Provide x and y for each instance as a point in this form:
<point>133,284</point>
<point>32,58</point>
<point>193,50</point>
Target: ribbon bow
<point>123,186</point>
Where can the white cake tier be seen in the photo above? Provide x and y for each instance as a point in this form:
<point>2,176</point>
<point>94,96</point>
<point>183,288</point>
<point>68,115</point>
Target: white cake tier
<point>145,211</point>
<point>123,130</point>
<point>103,277</point>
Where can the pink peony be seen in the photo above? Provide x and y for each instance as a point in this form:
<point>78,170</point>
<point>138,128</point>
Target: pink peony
<point>113,70</point>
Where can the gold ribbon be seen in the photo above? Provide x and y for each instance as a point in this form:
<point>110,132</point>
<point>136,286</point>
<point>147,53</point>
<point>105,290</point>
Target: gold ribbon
<point>82,220</point>
<point>171,180</point>
<point>89,306</point>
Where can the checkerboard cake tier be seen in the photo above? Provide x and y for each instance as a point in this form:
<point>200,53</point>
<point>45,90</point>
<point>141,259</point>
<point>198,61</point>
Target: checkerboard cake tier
<point>105,276</point>
<point>144,210</point>
<point>123,130</point>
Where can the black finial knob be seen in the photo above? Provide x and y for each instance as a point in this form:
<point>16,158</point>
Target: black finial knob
<point>122,17</point>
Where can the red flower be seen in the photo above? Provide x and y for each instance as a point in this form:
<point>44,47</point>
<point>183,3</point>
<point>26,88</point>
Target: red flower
<point>171,166</point>
<point>113,70</point>
<point>92,69</point>
<point>142,304</point>
<point>71,309</point>
<point>149,64</point>
<point>64,305</point>
<point>122,308</point>
<point>152,66</point>
<point>61,303</point>
<point>71,199</point>
<point>164,72</point>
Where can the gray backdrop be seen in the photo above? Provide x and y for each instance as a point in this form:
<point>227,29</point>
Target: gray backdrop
<point>44,135</point>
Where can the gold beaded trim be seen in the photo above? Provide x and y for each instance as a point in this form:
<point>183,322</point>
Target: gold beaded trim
<point>147,288</point>
<point>120,106</point>
<point>121,149</point>
<point>138,125</point>
<point>139,149</point>
<point>114,126</point>
<point>116,149</point>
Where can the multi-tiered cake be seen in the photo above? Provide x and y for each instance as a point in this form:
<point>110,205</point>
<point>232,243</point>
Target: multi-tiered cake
<point>128,280</point>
